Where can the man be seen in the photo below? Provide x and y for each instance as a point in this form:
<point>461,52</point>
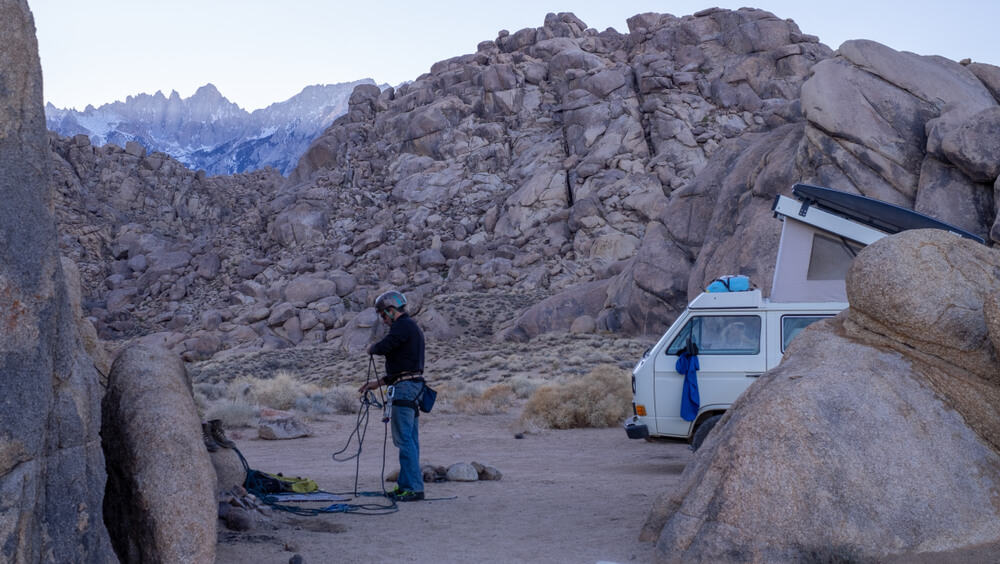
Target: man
<point>403,349</point>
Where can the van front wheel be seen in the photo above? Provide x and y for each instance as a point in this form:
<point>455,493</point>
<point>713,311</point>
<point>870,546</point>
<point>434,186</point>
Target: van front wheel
<point>702,431</point>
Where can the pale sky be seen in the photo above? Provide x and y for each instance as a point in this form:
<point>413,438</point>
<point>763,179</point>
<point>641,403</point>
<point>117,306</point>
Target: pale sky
<point>262,51</point>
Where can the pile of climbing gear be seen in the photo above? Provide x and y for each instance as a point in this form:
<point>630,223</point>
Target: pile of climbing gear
<point>273,489</point>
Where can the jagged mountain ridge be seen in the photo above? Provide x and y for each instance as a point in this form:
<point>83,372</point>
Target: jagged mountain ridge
<point>207,131</point>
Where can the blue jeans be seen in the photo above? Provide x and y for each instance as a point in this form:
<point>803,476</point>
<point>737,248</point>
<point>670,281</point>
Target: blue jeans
<point>406,437</point>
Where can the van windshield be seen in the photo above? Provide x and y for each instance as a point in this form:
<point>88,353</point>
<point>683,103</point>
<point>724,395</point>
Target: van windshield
<point>719,335</point>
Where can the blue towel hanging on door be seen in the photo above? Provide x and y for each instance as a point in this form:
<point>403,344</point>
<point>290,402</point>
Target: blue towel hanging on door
<point>687,364</point>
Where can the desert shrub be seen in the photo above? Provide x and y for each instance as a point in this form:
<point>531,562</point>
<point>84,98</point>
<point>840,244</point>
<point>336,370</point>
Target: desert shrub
<point>201,404</point>
<point>205,394</point>
<point>280,392</point>
<point>495,399</point>
<point>241,389</point>
<point>312,405</point>
<point>342,399</point>
<point>600,357</point>
<point>464,398</point>
<point>601,398</point>
<point>500,395</point>
<point>496,361</point>
<point>304,405</point>
<point>210,391</point>
<point>233,414</point>
<point>523,387</point>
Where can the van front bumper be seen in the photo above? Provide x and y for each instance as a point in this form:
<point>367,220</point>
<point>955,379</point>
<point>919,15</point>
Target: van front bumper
<point>636,430</point>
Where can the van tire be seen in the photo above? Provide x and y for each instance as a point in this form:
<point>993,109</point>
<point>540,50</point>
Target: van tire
<point>702,431</point>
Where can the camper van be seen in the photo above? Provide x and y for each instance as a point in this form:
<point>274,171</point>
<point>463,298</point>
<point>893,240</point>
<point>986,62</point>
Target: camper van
<point>737,334</point>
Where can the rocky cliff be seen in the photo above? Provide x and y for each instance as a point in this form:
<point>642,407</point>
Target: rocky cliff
<point>207,131</point>
<point>604,177</point>
<point>644,165</point>
<point>52,469</point>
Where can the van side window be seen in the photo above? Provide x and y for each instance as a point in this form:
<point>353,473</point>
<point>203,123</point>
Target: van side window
<point>792,324</point>
<point>720,335</point>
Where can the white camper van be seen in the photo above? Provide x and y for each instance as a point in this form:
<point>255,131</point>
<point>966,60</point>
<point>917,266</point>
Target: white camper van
<point>739,335</point>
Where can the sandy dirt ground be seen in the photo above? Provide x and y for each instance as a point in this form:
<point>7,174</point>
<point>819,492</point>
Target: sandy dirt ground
<point>567,496</point>
<point>576,495</point>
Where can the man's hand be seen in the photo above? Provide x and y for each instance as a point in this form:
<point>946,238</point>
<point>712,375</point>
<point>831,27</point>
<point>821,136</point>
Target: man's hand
<point>369,386</point>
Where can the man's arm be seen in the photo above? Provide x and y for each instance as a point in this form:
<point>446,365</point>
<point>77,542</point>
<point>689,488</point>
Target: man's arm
<point>396,337</point>
<point>370,385</point>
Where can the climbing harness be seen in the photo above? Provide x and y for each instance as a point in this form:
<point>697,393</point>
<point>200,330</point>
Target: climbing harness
<point>423,402</point>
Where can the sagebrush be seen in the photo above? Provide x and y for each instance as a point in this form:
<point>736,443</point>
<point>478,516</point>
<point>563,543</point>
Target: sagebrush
<point>600,398</point>
<point>280,392</point>
<point>238,402</point>
<point>494,399</point>
<point>234,414</point>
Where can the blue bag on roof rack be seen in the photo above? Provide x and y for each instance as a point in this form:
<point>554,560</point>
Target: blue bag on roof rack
<point>732,283</point>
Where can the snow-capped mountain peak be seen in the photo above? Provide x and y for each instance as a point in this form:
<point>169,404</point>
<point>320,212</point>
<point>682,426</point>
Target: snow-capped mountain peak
<point>207,131</point>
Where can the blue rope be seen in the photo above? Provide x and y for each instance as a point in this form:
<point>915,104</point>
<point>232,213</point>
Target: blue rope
<point>254,482</point>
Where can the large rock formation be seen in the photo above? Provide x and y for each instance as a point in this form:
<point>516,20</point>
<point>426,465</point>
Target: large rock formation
<point>159,503</point>
<point>51,464</point>
<point>609,174</point>
<point>556,150</point>
<point>149,235</point>
<point>888,125</point>
<point>877,435</point>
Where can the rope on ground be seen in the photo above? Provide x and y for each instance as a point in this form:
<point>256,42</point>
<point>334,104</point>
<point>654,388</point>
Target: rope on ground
<point>254,483</point>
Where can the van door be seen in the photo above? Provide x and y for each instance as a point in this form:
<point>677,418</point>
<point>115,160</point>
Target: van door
<point>731,352</point>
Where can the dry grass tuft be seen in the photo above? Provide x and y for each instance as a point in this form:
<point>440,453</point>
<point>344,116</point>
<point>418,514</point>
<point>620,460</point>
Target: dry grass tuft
<point>494,399</point>
<point>280,392</point>
<point>523,387</point>
<point>601,398</point>
<point>234,414</point>
<point>343,399</point>
<point>210,391</point>
<point>239,402</point>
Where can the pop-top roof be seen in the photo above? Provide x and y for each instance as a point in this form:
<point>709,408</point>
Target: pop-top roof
<point>822,233</point>
<point>875,213</point>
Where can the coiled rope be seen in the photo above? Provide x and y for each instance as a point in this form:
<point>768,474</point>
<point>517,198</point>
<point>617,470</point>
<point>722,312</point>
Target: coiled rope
<point>254,483</point>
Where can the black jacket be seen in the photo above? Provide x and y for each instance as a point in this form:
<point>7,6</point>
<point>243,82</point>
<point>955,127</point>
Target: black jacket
<point>403,348</point>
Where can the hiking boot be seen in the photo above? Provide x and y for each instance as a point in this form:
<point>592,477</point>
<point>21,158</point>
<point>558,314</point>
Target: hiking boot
<point>219,434</point>
<point>406,495</point>
<point>206,437</point>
